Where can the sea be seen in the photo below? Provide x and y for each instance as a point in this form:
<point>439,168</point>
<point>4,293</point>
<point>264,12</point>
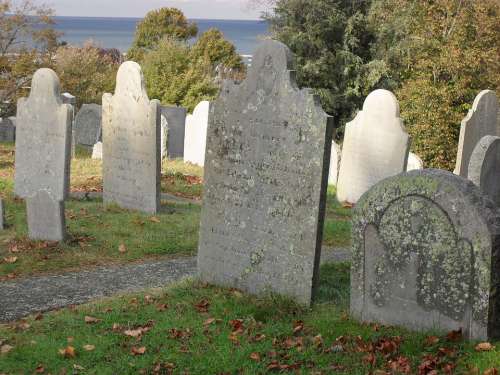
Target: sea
<point>119,32</point>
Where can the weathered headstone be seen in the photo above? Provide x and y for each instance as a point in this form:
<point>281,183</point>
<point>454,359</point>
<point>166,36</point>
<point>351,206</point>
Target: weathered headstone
<point>7,130</point>
<point>426,255</point>
<point>195,140</point>
<point>164,136</point>
<point>176,124</point>
<point>266,174</point>
<point>131,143</point>
<point>414,162</point>
<point>97,151</point>
<point>334,164</point>
<point>2,215</point>
<point>376,146</point>
<point>484,167</point>
<point>88,125</point>
<point>43,144</point>
<point>479,122</point>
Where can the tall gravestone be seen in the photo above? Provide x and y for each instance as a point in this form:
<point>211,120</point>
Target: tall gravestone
<point>195,140</point>
<point>88,125</point>
<point>42,165</point>
<point>484,167</point>
<point>334,164</point>
<point>131,143</point>
<point>426,255</point>
<point>376,146</point>
<point>7,130</point>
<point>266,174</point>
<point>414,162</point>
<point>480,121</point>
<point>176,128</point>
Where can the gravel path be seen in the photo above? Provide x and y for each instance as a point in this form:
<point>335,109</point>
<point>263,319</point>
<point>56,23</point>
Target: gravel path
<point>43,293</point>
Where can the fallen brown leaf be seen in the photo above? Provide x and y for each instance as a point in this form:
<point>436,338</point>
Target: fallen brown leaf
<point>255,357</point>
<point>89,347</point>
<point>138,351</point>
<point>10,260</point>
<point>154,219</point>
<point>491,371</point>
<point>455,335</point>
<point>40,369</point>
<point>122,249</point>
<point>91,320</point>
<point>68,352</point>
<point>484,347</point>
<point>4,349</point>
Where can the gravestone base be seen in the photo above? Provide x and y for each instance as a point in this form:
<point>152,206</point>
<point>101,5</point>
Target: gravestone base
<point>46,221</point>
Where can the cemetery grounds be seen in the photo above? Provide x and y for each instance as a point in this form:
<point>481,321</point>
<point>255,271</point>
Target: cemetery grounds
<point>190,327</point>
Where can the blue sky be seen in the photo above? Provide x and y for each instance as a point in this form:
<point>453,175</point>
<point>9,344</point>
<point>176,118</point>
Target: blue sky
<point>216,9</point>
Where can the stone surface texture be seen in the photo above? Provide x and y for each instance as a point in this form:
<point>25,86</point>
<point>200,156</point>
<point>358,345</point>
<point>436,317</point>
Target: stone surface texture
<point>266,174</point>
<point>484,167</point>
<point>426,255</point>
<point>375,147</point>
<point>131,143</point>
<point>414,162</point>
<point>43,139</point>
<point>97,151</point>
<point>46,219</point>
<point>176,128</point>
<point>334,164</point>
<point>88,125</point>
<point>7,130</point>
<point>195,140</point>
<point>479,122</point>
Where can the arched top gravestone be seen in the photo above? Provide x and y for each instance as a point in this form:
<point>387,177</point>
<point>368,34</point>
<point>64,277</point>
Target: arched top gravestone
<point>484,167</point>
<point>131,143</point>
<point>196,134</point>
<point>266,173</point>
<point>43,139</point>
<point>88,125</point>
<point>376,146</point>
<point>426,255</point>
<point>481,120</point>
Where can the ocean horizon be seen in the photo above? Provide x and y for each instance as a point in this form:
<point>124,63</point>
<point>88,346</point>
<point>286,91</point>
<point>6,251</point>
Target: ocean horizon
<point>109,32</point>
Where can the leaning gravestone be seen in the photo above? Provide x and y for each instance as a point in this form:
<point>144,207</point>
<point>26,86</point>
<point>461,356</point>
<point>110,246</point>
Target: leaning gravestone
<point>426,255</point>
<point>43,144</point>
<point>7,130</point>
<point>195,140</point>
<point>334,164</point>
<point>131,143</point>
<point>414,162</point>
<point>176,127</point>
<point>480,121</point>
<point>266,175</point>
<point>484,167</point>
<point>376,146</point>
<point>88,125</point>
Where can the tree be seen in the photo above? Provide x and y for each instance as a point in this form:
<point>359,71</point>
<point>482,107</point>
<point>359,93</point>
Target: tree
<point>27,40</point>
<point>333,49</point>
<point>158,24</point>
<point>86,72</point>
<point>443,53</point>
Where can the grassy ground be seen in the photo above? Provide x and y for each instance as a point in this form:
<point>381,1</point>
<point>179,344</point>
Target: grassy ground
<point>97,233</point>
<point>193,328</point>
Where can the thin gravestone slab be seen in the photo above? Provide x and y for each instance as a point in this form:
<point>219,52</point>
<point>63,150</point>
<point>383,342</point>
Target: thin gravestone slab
<point>414,162</point>
<point>88,125</point>
<point>426,255</point>
<point>484,167</point>
<point>195,141</point>
<point>46,219</point>
<point>176,129</point>
<point>376,146</point>
<point>266,175</point>
<point>131,143</point>
<point>97,151</point>
<point>481,120</point>
<point>334,164</point>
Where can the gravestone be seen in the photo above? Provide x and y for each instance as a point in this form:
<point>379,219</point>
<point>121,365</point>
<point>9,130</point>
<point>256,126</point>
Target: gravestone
<point>67,98</point>
<point>163,137</point>
<point>97,151</point>
<point>484,167</point>
<point>266,175</point>
<point>7,130</point>
<point>195,140</point>
<point>88,125</point>
<point>42,164</point>
<point>479,122</point>
<point>131,143</point>
<point>176,127</point>
<point>376,146</point>
<point>426,255</point>
<point>2,215</point>
<point>414,162</point>
<point>334,164</point>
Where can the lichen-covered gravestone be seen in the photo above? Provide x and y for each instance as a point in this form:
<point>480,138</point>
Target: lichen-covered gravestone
<point>266,175</point>
<point>484,167</point>
<point>426,255</point>
<point>43,145</point>
<point>88,125</point>
<point>376,146</point>
<point>176,128</point>
<point>480,121</point>
<point>195,140</point>
<point>334,164</point>
<point>131,143</point>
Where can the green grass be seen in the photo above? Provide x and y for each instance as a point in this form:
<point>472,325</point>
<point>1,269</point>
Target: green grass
<point>192,328</point>
<point>337,228</point>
